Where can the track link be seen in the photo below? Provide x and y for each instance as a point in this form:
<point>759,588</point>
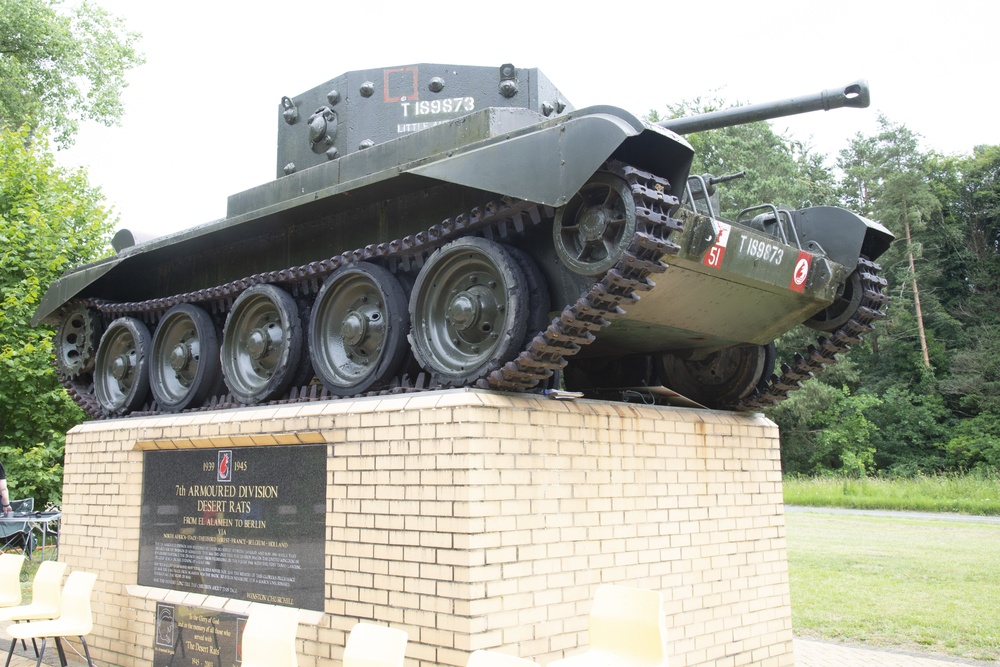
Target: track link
<point>505,218</point>
<point>579,324</point>
<point>549,350</point>
<point>817,357</point>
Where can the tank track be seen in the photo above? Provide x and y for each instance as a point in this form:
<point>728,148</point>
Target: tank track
<point>577,325</point>
<point>817,357</point>
<point>547,352</point>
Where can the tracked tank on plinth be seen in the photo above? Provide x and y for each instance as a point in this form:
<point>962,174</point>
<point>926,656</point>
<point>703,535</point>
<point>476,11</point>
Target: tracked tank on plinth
<point>435,226</point>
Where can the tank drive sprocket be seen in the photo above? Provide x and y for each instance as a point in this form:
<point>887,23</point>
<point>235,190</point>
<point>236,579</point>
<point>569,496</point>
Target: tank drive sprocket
<point>76,340</point>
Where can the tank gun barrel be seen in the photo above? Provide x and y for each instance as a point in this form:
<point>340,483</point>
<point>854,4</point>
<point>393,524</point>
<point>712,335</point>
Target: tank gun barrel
<point>854,94</point>
<point>715,180</point>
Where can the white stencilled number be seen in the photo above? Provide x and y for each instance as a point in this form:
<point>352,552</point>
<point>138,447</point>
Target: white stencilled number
<point>439,106</point>
<point>715,256</point>
<point>762,250</point>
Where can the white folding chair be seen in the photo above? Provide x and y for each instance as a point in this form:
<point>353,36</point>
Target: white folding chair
<point>371,645</point>
<point>75,620</point>
<point>484,658</point>
<point>269,637</point>
<point>46,598</point>
<point>626,629</point>
<point>10,579</point>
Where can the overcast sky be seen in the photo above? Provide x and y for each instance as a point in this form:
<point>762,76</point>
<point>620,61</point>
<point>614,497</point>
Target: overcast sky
<point>201,114</point>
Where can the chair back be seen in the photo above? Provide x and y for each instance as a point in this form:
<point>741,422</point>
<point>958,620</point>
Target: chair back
<point>371,645</point>
<point>23,505</point>
<point>629,622</point>
<point>269,637</point>
<point>11,528</point>
<point>10,579</point>
<point>46,588</point>
<point>483,658</point>
<point>76,617</point>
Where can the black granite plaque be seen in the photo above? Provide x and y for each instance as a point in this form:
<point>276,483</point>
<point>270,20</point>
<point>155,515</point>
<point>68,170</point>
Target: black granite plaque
<point>192,637</point>
<point>245,523</point>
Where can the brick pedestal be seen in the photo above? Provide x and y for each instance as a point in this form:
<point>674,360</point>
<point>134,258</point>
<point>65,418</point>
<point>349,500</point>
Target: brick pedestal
<point>478,520</point>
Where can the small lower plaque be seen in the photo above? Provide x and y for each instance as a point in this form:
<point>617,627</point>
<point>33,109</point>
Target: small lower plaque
<point>245,523</point>
<point>192,637</point>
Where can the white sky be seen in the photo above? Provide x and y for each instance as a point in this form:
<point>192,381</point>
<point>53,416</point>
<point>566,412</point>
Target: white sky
<point>201,114</point>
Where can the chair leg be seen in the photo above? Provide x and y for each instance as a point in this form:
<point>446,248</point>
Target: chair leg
<point>25,646</point>
<point>39,663</point>
<point>10,654</point>
<point>86,651</point>
<point>62,653</point>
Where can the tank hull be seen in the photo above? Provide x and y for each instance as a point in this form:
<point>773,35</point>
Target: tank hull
<point>512,248</point>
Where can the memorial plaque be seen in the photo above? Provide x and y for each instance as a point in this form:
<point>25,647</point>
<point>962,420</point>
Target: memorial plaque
<point>245,523</point>
<point>192,637</point>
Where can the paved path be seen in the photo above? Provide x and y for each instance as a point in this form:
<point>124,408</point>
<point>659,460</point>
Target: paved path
<point>815,653</point>
<point>940,516</point>
<point>808,653</point>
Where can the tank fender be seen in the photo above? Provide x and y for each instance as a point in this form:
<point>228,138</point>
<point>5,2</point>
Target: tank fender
<point>67,287</point>
<point>549,165</point>
<point>843,236</point>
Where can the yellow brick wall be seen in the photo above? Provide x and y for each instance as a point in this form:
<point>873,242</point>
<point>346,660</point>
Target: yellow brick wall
<point>479,520</point>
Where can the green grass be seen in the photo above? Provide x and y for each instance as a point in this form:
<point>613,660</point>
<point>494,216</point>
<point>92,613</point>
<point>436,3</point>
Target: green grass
<point>928,585</point>
<point>967,494</point>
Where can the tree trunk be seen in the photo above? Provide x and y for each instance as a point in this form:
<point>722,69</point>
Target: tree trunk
<point>916,292</point>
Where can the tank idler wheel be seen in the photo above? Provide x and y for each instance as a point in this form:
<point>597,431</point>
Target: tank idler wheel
<point>596,226</point>
<point>121,370</point>
<point>468,311</point>
<point>185,368</point>
<point>261,344</point>
<point>843,308</point>
<point>76,341</point>
<point>357,330</point>
<point>721,379</point>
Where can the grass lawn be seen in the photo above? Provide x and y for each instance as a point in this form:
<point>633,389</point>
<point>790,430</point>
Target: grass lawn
<point>923,585</point>
<point>968,494</point>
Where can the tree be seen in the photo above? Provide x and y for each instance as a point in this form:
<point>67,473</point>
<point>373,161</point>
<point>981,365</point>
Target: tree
<point>973,382</point>
<point>50,219</point>
<point>59,68</point>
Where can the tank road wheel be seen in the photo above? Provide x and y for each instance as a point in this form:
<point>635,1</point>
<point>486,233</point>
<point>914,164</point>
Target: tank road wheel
<point>76,341</point>
<point>121,370</point>
<point>721,379</point>
<point>838,313</point>
<point>357,330</point>
<point>185,368</point>
<point>468,311</point>
<point>261,344</point>
<point>537,292</point>
<point>596,226</point>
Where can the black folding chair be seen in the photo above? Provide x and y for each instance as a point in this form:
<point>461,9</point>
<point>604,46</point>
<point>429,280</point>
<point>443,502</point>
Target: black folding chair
<point>18,534</point>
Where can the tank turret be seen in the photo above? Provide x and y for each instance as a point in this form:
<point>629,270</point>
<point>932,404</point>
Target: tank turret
<point>438,226</point>
<point>359,109</point>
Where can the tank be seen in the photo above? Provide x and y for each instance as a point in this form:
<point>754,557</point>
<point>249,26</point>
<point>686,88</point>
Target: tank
<point>435,226</point>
